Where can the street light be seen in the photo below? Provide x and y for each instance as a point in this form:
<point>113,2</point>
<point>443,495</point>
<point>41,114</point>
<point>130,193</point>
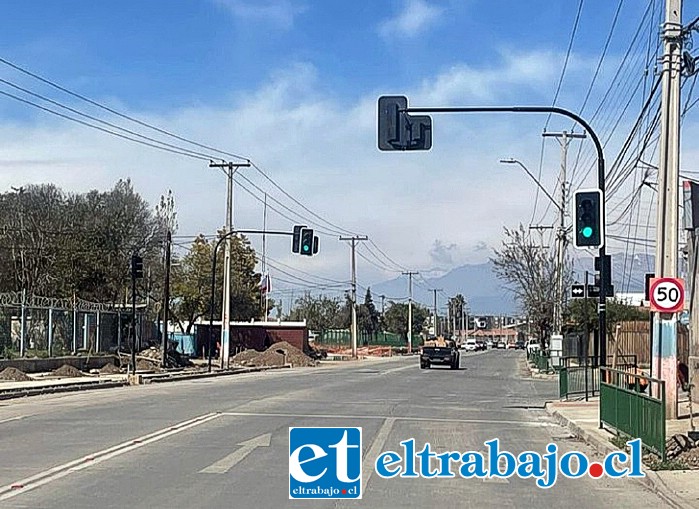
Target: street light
<point>515,161</point>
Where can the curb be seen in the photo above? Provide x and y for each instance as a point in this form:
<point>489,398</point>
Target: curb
<point>55,389</point>
<point>160,378</point>
<point>94,385</point>
<point>652,480</point>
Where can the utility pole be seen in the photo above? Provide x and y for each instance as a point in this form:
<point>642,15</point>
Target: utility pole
<point>561,236</point>
<point>383,307</point>
<point>230,169</point>
<point>354,239</point>
<point>264,302</point>
<point>664,353</point>
<point>166,295</point>
<point>434,304</point>
<point>410,275</point>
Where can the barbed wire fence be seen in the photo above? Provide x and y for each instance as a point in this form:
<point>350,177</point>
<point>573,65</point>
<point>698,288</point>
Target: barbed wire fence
<point>32,325</point>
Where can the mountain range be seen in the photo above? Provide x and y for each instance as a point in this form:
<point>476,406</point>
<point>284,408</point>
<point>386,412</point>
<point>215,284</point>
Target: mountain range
<point>487,295</point>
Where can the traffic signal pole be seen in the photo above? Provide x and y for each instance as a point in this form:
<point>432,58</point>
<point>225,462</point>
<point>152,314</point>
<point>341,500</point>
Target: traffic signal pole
<point>222,239</point>
<point>602,306</point>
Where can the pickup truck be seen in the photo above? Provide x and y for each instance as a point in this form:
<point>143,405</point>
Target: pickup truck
<point>442,352</point>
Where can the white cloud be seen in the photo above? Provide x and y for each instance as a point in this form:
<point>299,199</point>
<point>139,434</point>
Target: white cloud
<point>324,153</point>
<point>281,13</point>
<point>414,17</point>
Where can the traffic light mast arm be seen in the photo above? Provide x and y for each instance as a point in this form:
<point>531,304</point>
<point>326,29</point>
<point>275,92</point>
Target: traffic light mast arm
<point>213,275</point>
<point>600,184</point>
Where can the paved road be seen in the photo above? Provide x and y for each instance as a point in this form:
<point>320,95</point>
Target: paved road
<point>178,441</point>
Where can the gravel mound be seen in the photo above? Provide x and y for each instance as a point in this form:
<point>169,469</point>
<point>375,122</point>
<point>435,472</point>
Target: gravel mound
<point>283,353</point>
<point>246,357</point>
<point>109,369</point>
<point>14,375</point>
<point>68,371</point>
<point>144,365</point>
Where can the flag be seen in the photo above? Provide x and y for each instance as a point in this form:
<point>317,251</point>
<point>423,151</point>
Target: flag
<point>265,284</point>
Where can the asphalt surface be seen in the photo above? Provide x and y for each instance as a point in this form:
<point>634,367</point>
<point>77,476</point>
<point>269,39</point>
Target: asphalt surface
<point>178,445</point>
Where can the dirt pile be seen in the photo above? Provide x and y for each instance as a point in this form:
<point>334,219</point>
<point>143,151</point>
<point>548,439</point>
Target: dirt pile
<point>283,353</point>
<point>14,375</point>
<point>245,358</point>
<point>67,371</point>
<point>147,365</point>
<point>109,369</point>
<point>683,450</point>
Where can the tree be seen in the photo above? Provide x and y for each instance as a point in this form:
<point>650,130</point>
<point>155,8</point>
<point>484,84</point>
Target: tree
<point>457,306</point>
<point>530,272</point>
<point>396,318</point>
<point>321,313</point>
<point>368,318</point>
<point>191,284</point>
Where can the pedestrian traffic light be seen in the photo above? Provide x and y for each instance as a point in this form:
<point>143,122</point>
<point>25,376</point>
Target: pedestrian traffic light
<point>587,218</point>
<point>136,267</point>
<point>296,241</point>
<point>307,241</point>
<point>398,130</point>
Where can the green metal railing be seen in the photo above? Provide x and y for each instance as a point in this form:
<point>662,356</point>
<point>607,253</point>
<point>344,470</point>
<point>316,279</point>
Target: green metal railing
<point>634,405</point>
<point>540,360</point>
<point>579,376</point>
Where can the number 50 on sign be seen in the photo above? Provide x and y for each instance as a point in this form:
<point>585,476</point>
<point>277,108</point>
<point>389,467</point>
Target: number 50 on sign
<point>666,294</point>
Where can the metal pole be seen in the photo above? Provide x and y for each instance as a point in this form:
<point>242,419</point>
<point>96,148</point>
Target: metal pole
<point>74,348</point>
<point>410,308</point>
<point>226,302</point>
<point>434,311</point>
<point>23,324</point>
<point>97,332</point>
<point>354,240</point>
<point>50,332</point>
<point>133,323</point>
<point>665,325</point>
<point>166,297</point>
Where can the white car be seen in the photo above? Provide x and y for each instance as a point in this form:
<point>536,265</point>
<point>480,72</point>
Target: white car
<point>532,346</point>
<point>470,345</point>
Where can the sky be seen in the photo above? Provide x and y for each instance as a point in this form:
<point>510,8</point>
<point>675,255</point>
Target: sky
<point>292,85</point>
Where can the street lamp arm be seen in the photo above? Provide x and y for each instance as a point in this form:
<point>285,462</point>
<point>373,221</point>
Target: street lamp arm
<point>515,161</point>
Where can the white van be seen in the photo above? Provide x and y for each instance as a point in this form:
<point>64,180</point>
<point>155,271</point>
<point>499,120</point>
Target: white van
<point>470,345</point>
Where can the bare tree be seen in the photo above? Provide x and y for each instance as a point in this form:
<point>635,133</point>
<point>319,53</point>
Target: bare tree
<point>529,271</point>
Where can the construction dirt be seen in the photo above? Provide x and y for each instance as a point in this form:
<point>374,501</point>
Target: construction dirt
<point>283,353</point>
<point>67,371</point>
<point>14,375</point>
<point>245,358</point>
<point>144,365</point>
<point>109,369</point>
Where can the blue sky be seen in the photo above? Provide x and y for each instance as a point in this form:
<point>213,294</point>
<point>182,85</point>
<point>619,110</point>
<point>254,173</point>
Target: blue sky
<point>293,84</point>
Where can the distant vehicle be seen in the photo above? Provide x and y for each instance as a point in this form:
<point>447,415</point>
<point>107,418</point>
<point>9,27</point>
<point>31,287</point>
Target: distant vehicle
<point>471,345</point>
<point>489,343</point>
<point>519,344</point>
<point>440,351</point>
<point>501,345</point>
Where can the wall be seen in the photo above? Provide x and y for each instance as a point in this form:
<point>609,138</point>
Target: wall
<point>44,365</point>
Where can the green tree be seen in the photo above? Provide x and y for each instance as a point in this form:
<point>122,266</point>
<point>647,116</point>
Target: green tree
<point>368,318</point>
<point>320,312</point>
<point>396,318</point>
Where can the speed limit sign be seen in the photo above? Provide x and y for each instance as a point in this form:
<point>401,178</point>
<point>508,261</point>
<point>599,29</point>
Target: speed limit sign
<point>666,294</point>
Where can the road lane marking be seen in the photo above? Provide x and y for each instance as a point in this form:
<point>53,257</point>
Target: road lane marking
<point>376,448</point>
<point>393,370</point>
<point>10,419</point>
<point>531,424</point>
<point>52,474</point>
<point>222,466</point>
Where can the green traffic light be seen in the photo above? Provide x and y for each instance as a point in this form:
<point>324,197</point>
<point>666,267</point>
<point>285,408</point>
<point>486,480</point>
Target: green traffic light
<point>587,232</point>
<point>306,248</point>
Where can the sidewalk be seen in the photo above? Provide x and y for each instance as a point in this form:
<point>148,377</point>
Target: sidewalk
<point>679,488</point>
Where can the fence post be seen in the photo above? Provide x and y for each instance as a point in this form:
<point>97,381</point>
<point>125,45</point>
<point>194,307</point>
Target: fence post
<point>662,418</point>
<point>23,325</point>
<point>50,332</point>
<point>97,333</point>
<point>75,326</point>
<point>86,322</point>
<point>119,331</point>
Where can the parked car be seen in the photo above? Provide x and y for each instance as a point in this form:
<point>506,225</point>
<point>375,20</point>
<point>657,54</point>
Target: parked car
<point>480,345</point>
<point>489,343</point>
<point>501,345</point>
<point>519,344</point>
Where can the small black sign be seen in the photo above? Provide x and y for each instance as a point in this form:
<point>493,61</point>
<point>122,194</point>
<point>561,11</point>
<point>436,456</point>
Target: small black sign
<point>593,291</point>
<point>649,276</point>
<point>577,291</point>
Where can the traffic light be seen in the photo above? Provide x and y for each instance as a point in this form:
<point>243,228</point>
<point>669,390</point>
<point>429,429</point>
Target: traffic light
<point>136,267</point>
<point>587,219</point>
<point>315,244</point>
<point>307,241</point>
<point>398,130</point>
<point>296,242</point>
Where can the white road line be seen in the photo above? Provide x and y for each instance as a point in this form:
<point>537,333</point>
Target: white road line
<point>10,419</point>
<point>529,424</point>
<point>375,449</point>
<point>223,465</point>
<point>52,474</point>
<point>393,370</point>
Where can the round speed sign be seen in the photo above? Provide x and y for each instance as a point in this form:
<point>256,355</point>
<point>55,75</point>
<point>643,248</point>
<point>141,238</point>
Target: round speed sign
<point>666,294</point>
